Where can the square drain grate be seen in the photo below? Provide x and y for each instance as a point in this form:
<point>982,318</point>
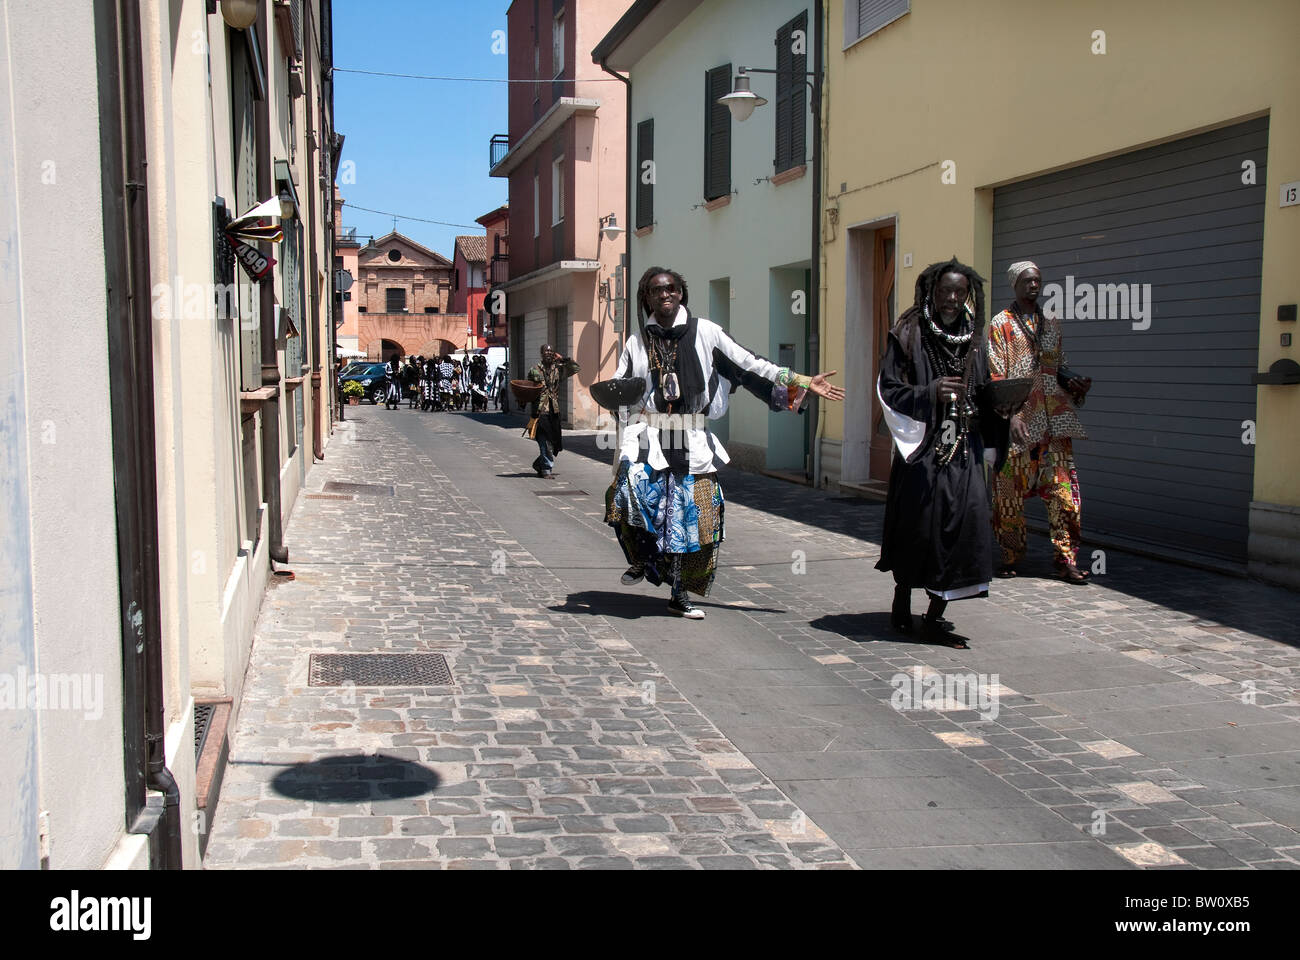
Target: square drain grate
<point>561,493</point>
<point>371,489</point>
<point>378,670</point>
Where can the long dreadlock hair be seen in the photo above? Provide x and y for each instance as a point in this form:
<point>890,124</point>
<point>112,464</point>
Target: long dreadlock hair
<point>643,308</point>
<point>928,282</point>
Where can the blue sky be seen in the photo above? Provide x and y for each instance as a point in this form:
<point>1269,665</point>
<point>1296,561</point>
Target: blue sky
<point>420,147</point>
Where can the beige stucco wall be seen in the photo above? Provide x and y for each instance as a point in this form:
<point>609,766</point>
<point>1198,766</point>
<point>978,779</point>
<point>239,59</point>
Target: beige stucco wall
<point>1010,89</point>
<point>56,185</point>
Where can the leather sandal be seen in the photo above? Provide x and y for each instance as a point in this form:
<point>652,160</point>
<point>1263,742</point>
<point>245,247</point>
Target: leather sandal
<point>1070,573</point>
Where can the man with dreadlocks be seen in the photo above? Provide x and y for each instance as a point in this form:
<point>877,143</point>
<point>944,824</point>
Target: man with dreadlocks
<point>665,504</point>
<point>934,388</point>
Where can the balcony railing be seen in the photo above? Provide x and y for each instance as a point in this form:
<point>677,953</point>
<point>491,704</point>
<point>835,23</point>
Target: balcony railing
<point>499,269</point>
<point>498,148</point>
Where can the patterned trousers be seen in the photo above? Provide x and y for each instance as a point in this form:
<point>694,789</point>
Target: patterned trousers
<point>1047,471</point>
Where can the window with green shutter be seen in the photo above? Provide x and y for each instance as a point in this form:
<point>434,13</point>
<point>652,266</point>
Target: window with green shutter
<point>791,93</point>
<point>717,133</point>
<point>645,180</point>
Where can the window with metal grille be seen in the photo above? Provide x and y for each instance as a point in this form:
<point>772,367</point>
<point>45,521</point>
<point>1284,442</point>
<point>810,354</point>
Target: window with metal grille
<point>645,173</point>
<point>864,17</point>
<point>791,92</point>
<point>717,133</point>
<point>395,300</point>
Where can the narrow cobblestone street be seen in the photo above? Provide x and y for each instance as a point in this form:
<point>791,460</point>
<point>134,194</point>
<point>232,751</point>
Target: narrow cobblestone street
<point>1149,720</point>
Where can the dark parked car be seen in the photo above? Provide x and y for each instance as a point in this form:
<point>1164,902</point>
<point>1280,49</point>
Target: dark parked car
<point>373,377</point>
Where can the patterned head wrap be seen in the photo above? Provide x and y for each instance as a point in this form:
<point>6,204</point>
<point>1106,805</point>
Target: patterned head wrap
<point>1016,269</point>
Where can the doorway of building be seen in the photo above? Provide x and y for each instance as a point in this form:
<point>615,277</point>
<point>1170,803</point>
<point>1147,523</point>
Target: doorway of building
<point>883,311</point>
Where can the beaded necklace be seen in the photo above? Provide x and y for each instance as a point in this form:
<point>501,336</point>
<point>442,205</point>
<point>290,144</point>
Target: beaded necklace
<point>945,364</point>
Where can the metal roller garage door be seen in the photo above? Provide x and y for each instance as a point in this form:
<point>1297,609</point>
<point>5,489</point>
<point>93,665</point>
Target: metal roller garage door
<point>1165,463</point>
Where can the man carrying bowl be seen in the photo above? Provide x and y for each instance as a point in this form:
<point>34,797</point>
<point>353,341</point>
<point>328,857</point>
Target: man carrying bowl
<point>1025,343</point>
<point>550,373</point>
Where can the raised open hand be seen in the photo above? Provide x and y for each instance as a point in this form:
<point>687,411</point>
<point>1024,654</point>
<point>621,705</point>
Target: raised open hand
<point>822,388</point>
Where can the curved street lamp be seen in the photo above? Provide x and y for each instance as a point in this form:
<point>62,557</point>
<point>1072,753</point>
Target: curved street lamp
<point>741,101</point>
<point>240,14</point>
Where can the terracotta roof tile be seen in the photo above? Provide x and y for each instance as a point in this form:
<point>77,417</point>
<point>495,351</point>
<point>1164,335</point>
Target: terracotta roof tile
<point>473,249</point>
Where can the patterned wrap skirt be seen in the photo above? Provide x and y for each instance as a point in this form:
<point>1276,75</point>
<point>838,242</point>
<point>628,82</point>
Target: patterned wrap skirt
<point>656,515</point>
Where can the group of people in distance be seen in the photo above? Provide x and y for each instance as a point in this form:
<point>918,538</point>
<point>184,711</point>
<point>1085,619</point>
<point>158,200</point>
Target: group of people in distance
<point>437,383</point>
<point>953,426</point>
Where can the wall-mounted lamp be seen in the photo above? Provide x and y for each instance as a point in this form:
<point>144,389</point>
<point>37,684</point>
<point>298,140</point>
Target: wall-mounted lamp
<point>741,101</point>
<point>610,228</point>
<point>240,14</point>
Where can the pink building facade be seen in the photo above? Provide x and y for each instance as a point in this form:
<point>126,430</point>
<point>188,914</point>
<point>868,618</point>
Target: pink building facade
<point>564,158</point>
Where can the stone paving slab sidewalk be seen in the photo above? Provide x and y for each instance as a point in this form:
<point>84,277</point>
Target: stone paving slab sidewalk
<point>1215,790</point>
<point>559,746</point>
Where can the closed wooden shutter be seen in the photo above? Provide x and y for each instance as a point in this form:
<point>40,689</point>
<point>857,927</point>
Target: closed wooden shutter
<point>791,93</point>
<point>245,141</point>
<point>717,133</point>
<point>645,192</point>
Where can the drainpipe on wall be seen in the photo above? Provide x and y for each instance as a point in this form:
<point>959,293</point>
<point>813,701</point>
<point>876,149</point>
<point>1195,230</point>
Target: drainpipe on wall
<point>270,361</point>
<point>627,200</point>
<point>130,353</point>
<point>814,295</point>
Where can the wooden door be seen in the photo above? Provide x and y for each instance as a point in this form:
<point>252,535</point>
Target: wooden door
<point>882,308</point>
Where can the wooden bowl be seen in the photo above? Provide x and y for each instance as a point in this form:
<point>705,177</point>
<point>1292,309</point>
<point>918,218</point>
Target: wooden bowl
<point>1010,393</point>
<point>620,392</point>
<point>525,391</point>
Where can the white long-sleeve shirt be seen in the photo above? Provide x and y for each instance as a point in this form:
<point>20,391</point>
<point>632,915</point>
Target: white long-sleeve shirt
<point>645,431</point>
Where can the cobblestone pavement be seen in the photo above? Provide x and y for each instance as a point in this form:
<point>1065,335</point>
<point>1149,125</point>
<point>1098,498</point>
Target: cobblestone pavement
<point>1147,720</point>
<point>558,746</point>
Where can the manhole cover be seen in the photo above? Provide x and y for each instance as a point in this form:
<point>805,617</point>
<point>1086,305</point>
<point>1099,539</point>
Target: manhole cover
<point>378,670</point>
<point>202,720</point>
<point>326,496</point>
<point>561,493</point>
<point>371,489</point>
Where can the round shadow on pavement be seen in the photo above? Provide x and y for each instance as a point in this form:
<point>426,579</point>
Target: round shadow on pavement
<point>355,777</point>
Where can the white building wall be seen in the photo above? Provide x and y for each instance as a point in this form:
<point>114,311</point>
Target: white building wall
<point>55,182</point>
<point>764,226</point>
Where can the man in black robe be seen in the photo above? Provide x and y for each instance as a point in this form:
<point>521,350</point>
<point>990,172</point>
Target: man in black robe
<point>934,384</point>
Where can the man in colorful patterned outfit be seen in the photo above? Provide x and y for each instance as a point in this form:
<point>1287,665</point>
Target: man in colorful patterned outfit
<point>550,373</point>
<point>1025,343</point>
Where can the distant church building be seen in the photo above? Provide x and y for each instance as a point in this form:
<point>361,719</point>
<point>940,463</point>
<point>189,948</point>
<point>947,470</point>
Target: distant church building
<point>403,292</point>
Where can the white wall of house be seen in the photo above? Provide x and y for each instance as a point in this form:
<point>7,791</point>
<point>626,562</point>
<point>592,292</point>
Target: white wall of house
<point>54,196</point>
<point>762,228</point>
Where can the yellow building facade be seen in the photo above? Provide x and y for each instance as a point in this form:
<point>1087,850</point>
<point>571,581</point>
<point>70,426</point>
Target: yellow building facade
<point>1145,155</point>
